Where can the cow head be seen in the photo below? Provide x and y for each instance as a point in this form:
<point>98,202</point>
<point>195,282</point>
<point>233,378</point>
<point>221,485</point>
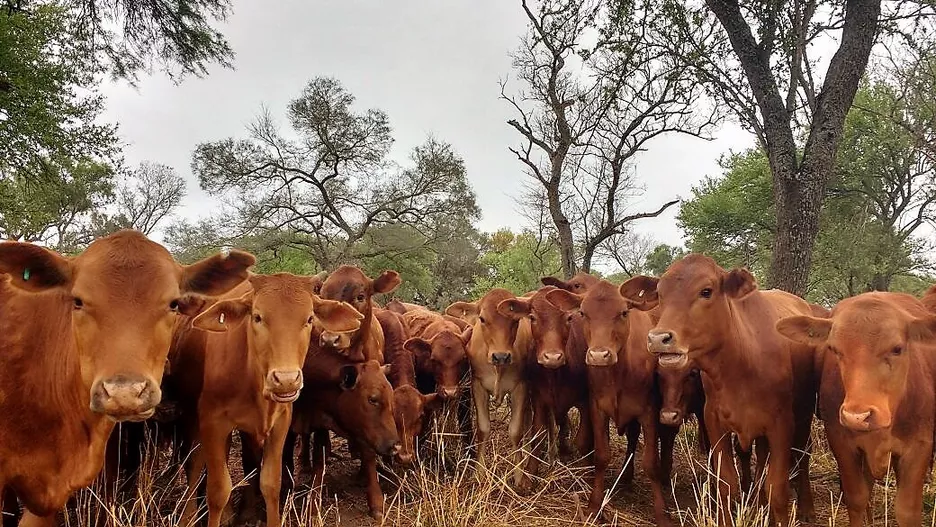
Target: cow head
<point>872,341</point>
<point>549,325</point>
<point>578,284</point>
<point>126,292</point>
<point>349,284</point>
<point>678,388</point>
<point>411,411</point>
<point>367,402</point>
<point>693,296</point>
<point>282,310</point>
<point>605,323</point>
<point>446,356</point>
<point>491,329</point>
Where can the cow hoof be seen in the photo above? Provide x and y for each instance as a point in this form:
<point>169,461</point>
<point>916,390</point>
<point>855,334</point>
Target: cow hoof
<point>377,515</point>
<point>596,515</point>
<point>525,486</point>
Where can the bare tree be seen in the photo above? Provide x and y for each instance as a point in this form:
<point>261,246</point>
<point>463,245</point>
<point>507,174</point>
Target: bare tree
<point>597,87</point>
<point>148,196</point>
<point>324,189</point>
<point>759,60</point>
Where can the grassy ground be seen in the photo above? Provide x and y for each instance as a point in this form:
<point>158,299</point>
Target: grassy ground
<point>467,494</point>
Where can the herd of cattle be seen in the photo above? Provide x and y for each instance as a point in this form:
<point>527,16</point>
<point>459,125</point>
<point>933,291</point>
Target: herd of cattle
<point>122,332</point>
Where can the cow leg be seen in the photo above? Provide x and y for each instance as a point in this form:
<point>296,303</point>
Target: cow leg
<point>271,471</point>
<point>651,464</point>
<point>463,412</point>
<point>539,432</point>
<point>667,445</point>
<point>375,499</point>
<point>630,458</point>
<point>305,453</point>
<point>778,474</point>
<point>289,461</point>
<point>563,435</point>
<point>584,437</point>
<point>194,466</point>
<point>481,396</point>
<point>855,478</point>
<point>911,475</point>
<point>31,520</point>
<point>319,448</point>
<point>722,462</point>
<point>705,443</point>
<point>744,465</point>
<point>215,445</point>
<point>802,454</point>
<point>600,423</point>
<point>518,421</point>
<point>251,453</point>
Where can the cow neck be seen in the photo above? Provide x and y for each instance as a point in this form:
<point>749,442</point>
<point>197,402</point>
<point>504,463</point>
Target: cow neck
<point>254,372</point>
<point>731,354</point>
<point>359,339</point>
<point>41,359</point>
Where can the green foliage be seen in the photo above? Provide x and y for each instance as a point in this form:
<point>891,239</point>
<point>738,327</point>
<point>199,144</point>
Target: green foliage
<point>48,98</point>
<point>660,258</point>
<point>516,262</point>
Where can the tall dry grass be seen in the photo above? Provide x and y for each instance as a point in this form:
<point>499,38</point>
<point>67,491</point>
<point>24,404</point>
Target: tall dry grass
<point>449,489</point>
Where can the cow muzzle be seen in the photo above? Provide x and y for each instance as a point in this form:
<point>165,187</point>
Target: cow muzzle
<point>330,340</point>
<point>670,417</point>
<point>662,343</point>
<point>863,418</point>
<point>390,448</point>
<point>449,392</point>
<point>501,358</point>
<point>283,386</point>
<point>125,397</point>
<point>600,357</point>
<point>552,359</point>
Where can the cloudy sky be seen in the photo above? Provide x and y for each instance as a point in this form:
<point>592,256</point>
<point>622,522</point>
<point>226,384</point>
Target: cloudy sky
<point>432,66</point>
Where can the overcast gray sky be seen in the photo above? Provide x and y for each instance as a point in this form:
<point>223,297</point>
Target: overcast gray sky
<point>432,66</point>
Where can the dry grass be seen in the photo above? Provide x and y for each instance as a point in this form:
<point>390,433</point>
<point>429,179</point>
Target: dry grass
<point>449,490</point>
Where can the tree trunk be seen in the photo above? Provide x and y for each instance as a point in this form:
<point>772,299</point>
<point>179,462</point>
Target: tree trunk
<point>798,199</point>
<point>587,255</point>
<point>564,230</point>
<point>880,282</point>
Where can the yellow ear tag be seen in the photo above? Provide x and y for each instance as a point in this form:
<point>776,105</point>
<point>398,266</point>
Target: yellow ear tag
<point>221,318</point>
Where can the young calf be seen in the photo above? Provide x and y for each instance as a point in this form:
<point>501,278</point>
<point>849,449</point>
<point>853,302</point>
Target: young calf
<point>497,353</point>
<point>877,395</point>
<point>558,378</point>
<point>621,385</point>
<point>258,336</point>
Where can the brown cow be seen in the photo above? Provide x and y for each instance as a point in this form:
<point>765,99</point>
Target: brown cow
<point>929,298</point>
<point>621,385</point>
<point>725,325</point>
<point>403,307</point>
<point>411,409</point>
<point>558,377</point>
<point>349,284</point>
<point>578,284</point>
<point>877,395</point>
<point>258,334</point>
<point>497,352</point>
<point>83,343</point>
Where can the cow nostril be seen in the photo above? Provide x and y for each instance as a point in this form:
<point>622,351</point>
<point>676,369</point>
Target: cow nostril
<point>396,448</point>
<point>667,338</point>
<point>139,388</point>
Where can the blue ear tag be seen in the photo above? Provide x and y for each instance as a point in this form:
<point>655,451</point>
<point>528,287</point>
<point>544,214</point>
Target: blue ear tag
<point>26,274</point>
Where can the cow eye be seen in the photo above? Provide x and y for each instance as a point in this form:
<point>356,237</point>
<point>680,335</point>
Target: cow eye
<point>532,318</point>
<point>257,318</point>
<point>577,286</point>
<point>361,298</point>
<point>624,314</point>
<point>897,351</point>
<point>706,293</point>
<point>311,319</point>
<point>174,305</point>
<point>481,319</point>
<point>373,400</point>
<point>78,303</point>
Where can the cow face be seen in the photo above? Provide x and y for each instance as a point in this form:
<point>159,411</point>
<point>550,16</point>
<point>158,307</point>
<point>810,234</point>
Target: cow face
<point>872,341</point>
<point>578,284</point>
<point>349,284</point>
<point>445,355</point>
<point>678,387</point>
<point>282,310</point>
<point>549,325</point>
<point>492,330</point>
<point>367,402</point>
<point>411,411</point>
<point>693,298</point>
<point>126,292</point>
<point>605,324</point>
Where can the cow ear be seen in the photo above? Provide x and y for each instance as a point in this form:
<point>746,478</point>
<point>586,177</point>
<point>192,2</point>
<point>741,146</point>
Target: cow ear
<point>515,308</point>
<point>564,300</point>
<point>430,400</point>
<point>805,330</point>
<point>922,329</point>
<point>739,283</point>
<point>316,282</point>
<point>34,268</point>
<point>641,291</point>
<point>338,317</point>
<point>348,376</point>
<point>191,305</point>
<point>555,282</point>
<point>217,274</point>
<point>467,311</point>
<point>466,335</point>
<point>418,346</point>
<point>224,314</point>
<point>386,282</point>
